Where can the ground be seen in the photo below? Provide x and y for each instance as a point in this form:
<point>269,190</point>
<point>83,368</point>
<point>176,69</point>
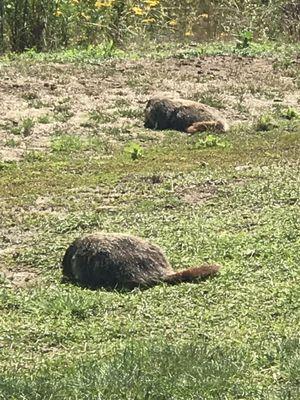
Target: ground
<point>76,159</point>
<point>43,101</point>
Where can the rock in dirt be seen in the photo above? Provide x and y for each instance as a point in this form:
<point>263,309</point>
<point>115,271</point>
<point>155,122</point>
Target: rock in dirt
<point>183,115</point>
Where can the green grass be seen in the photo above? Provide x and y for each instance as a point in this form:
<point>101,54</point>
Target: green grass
<point>284,52</point>
<point>229,198</point>
<point>234,337</point>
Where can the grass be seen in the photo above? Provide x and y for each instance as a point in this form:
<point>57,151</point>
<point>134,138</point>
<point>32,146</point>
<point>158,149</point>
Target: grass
<point>97,54</point>
<point>233,337</point>
<point>229,198</point>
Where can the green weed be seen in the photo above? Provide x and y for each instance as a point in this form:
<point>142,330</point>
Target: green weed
<point>210,141</point>
<point>134,150</point>
<point>266,123</point>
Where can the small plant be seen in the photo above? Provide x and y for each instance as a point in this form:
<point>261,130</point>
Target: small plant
<point>24,127</point>
<point>134,150</point>
<point>66,144</point>
<point>33,155</point>
<point>29,96</point>
<point>266,123</point>
<point>62,110</point>
<point>210,141</point>
<point>37,103</point>
<point>44,119</point>
<point>12,143</point>
<point>212,100</point>
<point>100,117</point>
<point>244,39</point>
<point>27,125</point>
<point>108,49</point>
<point>131,113</point>
<point>290,113</point>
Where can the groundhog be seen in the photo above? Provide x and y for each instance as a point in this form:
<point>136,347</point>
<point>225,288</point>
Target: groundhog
<point>182,115</point>
<point>124,261</point>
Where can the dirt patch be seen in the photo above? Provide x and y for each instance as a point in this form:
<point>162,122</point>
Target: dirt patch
<point>18,278</point>
<point>197,195</point>
<point>45,100</point>
<point>200,193</point>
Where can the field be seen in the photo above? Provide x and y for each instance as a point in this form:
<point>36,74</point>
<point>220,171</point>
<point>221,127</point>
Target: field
<point>75,158</point>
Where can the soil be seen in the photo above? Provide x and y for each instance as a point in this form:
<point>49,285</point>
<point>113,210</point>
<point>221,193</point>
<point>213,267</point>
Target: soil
<point>60,98</point>
<point>18,278</point>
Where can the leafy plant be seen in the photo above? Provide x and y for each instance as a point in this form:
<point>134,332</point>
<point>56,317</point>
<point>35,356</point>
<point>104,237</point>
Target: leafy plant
<point>44,119</point>
<point>33,156</point>
<point>12,143</point>
<point>290,113</point>
<point>66,143</point>
<point>134,150</point>
<point>244,39</point>
<point>24,127</point>
<point>266,123</point>
<point>210,141</point>
<point>100,117</point>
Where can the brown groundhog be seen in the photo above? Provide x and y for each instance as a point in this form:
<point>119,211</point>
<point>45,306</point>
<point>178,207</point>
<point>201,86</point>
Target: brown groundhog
<point>124,261</point>
<point>183,115</point>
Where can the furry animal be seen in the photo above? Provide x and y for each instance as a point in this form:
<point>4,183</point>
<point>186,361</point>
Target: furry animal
<point>124,261</point>
<point>182,115</point>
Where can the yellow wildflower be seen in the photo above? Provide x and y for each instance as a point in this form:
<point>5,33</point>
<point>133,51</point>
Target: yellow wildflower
<point>137,10</point>
<point>148,20</point>
<point>57,13</point>
<point>106,3</point>
<point>172,22</point>
<point>189,33</point>
<point>86,17</point>
<point>152,3</point>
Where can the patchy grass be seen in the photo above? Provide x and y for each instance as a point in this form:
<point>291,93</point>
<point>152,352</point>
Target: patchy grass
<point>96,54</point>
<point>231,198</point>
<point>236,335</point>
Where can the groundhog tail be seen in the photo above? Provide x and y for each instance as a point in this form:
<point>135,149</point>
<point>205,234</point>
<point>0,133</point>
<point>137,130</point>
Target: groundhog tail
<point>193,274</point>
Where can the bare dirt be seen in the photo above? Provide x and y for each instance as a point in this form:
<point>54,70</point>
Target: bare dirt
<point>40,101</point>
<point>18,278</point>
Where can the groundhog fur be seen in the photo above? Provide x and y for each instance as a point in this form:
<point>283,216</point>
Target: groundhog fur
<point>123,261</point>
<point>182,115</point>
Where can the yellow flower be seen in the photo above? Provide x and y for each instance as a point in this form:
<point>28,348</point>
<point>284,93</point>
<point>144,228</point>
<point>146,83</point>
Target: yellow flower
<point>86,17</point>
<point>204,16</point>
<point>172,22</point>
<point>137,10</point>
<point>57,13</point>
<point>148,20</point>
<point>152,3</point>
<point>106,3</point>
<point>189,33</point>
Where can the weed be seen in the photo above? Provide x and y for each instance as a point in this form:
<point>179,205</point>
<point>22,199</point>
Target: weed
<point>266,123</point>
<point>121,102</point>
<point>44,119</point>
<point>212,100</point>
<point>210,141</point>
<point>34,156</point>
<point>100,117</point>
<point>131,113</point>
<point>134,150</point>
<point>290,113</point>
<point>66,144</point>
<point>30,96</point>
<point>244,39</point>
<point>24,127</point>
<point>12,143</point>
